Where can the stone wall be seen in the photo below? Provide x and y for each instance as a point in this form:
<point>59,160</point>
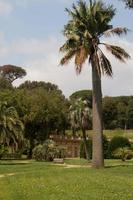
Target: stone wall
<point>71,144</point>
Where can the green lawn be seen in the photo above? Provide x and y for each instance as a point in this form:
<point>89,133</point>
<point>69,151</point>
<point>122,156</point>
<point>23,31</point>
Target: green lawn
<point>108,133</point>
<point>45,181</point>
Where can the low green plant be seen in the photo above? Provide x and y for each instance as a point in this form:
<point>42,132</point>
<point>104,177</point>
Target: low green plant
<point>89,144</point>
<point>3,150</point>
<point>48,151</point>
<point>82,149</point>
<point>116,143</point>
<point>123,153</point>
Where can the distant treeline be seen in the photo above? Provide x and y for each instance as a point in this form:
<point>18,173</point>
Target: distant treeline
<point>117,111</point>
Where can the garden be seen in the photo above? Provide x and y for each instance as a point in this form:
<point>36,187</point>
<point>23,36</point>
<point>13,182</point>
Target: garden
<point>54,146</point>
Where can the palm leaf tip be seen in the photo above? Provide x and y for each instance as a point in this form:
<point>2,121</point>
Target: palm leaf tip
<point>116,31</point>
<point>63,61</point>
<point>105,64</point>
<point>118,52</point>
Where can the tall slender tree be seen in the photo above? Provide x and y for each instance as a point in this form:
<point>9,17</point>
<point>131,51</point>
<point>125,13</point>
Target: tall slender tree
<point>87,24</point>
<point>80,114</point>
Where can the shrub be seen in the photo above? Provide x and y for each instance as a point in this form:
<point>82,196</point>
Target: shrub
<point>124,153</point>
<point>3,150</point>
<point>48,151</point>
<point>105,147</point>
<point>38,153</point>
<point>118,142</point>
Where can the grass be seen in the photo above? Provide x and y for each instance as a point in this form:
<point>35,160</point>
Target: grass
<point>45,181</point>
<point>108,133</point>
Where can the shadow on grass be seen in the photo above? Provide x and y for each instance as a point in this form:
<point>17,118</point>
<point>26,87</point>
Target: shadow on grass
<point>15,162</point>
<point>119,165</point>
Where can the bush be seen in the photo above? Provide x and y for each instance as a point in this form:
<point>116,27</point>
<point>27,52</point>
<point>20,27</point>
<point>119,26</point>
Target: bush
<point>105,147</point>
<point>38,153</point>
<point>124,153</point>
<point>48,151</point>
<point>118,142</point>
<point>89,144</point>
<point>3,150</point>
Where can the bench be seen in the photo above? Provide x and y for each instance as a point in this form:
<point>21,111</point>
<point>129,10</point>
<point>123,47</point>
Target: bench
<point>58,160</point>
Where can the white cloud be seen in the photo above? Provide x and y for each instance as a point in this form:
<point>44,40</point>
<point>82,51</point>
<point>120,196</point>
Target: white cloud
<point>33,46</point>
<point>41,59</point>
<point>44,66</point>
<point>5,8</point>
<point>3,47</point>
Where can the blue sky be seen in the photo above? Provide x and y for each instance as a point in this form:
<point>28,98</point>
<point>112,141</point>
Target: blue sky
<point>30,36</point>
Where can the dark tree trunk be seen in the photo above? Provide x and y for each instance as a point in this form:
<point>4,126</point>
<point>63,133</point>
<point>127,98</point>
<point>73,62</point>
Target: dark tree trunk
<point>31,148</point>
<point>85,144</point>
<point>97,147</point>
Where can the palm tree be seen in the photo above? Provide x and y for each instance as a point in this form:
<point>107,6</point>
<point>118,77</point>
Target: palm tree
<point>80,114</point>
<point>11,128</point>
<point>87,24</point>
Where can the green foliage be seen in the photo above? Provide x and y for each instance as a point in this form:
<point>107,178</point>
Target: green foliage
<point>11,72</point>
<point>41,106</point>
<point>82,149</point>
<point>3,150</point>
<point>48,151</point>
<point>38,153</point>
<point>84,95</point>
<point>122,115</point>
<point>118,112</point>
<point>80,114</point>
<point>130,114</point>
<point>105,147</point>
<point>31,85</point>
<point>124,153</point>
<point>89,144</point>
<point>5,84</point>
<point>109,113</point>
<point>11,128</point>
<point>118,142</point>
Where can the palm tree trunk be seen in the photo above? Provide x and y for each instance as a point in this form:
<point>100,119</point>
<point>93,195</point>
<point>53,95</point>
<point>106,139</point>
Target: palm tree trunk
<point>85,144</point>
<point>97,145</point>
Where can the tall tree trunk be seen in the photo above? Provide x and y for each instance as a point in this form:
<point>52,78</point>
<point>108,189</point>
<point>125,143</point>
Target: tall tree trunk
<point>97,146</point>
<point>85,144</point>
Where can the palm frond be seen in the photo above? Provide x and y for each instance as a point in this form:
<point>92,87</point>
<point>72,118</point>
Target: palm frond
<point>71,43</point>
<point>116,31</point>
<point>80,59</point>
<point>105,64</point>
<point>68,56</point>
<point>118,52</point>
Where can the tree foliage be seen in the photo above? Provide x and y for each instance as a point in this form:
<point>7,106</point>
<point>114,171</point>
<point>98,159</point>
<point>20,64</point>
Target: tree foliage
<point>5,84</point>
<point>84,95</point>
<point>124,153</point>
<point>118,142</point>
<point>12,72</point>
<point>109,113</point>
<point>80,115</point>
<point>11,128</point>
